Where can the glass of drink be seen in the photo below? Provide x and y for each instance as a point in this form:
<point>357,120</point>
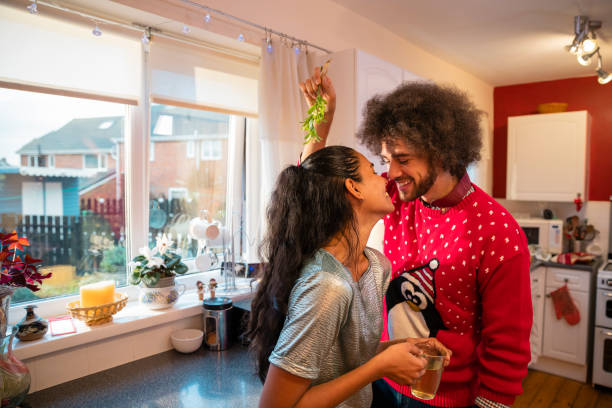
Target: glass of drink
<point>425,387</point>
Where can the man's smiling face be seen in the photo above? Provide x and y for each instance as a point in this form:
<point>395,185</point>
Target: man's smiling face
<point>411,172</point>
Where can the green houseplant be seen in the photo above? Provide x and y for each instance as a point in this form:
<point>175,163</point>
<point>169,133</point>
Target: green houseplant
<point>154,271</point>
<point>154,264</point>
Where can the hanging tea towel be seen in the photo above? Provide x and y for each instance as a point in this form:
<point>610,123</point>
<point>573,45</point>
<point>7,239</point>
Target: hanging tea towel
<point>565,306</point>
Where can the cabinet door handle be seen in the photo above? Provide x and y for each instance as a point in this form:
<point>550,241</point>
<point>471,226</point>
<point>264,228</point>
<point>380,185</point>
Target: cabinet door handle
<point>548,295</point>
<point>538,296</point>
<point>608,294</point>
<point>606,333</point>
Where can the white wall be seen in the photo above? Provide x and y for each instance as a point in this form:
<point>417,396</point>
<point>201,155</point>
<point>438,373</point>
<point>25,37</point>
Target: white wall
<point>597,213</point>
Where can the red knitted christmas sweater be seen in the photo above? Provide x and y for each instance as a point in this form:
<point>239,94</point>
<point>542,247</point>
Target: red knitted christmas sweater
<point>462,275</point>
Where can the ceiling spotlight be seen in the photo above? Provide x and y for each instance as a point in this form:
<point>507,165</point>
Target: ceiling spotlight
<point>603,77</point>
<point>186,29</point>
<point>268,42</point>
<point>241,37</point>
<point>33,8</point>
<point>585,59</point>
<point>96,31</point>
<point>589,45</point>
<point>207,18</point>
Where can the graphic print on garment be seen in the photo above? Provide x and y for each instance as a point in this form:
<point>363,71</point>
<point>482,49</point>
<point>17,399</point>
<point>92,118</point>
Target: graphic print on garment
<point>411,303</point>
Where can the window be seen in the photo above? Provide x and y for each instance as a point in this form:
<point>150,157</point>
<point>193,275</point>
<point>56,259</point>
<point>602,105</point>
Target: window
<point>180,190</point>
<point>190,149</point>
<point>212,149</point>
<point>72,216</point>
<point>95,161</point>
<point>67,194</point>
<point>40,161</point>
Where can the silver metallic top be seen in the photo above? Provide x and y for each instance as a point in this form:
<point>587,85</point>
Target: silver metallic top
<point>333,324</point>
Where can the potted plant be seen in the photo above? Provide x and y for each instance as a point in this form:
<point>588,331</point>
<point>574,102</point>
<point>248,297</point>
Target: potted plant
<point>154,271</point>
<point>17,269</point>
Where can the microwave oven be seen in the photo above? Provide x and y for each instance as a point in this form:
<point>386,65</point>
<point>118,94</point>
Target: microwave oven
<point>547,234</point>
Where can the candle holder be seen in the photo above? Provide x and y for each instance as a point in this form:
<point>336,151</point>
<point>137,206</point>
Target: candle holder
<point>96,315</point>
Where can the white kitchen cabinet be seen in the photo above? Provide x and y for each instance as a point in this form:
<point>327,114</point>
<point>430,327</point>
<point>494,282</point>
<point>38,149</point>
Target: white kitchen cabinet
<point>538,280</point>
<point>562,341</point>
<point>563,348</point>
<point>357,76</point>
<point>547,156</point>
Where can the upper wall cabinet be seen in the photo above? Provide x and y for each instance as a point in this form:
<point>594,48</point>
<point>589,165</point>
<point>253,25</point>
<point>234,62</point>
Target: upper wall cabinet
<point>547,156</point>
<point>357,76</point>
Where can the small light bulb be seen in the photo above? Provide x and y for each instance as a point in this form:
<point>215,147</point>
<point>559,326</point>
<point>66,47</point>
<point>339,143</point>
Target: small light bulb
<point>241,38</point>
<point>603,77</point>
<point>33,8</point>
<point>145,38</point>
<point>269,47</point>
<point>584,60</point>
<point>96,31</point>
<point>296,48</point>
<point>186,29</point>
<point>589,45</point>
<point>207,18</point>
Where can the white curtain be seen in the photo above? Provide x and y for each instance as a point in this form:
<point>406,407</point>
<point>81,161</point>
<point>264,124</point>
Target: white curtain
<point>277,140</point>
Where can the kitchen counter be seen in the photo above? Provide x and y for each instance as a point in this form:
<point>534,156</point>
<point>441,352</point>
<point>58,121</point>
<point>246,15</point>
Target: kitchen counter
<point>592,267</point>
<point>202,379</point>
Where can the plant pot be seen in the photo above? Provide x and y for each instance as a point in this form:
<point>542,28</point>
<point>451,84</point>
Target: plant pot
<point>161,296</point>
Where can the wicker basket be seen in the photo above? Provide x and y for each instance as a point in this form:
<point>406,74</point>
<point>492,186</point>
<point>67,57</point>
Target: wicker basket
<point>99,314</point>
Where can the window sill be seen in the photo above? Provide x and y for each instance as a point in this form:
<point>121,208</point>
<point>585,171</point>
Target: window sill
<point>132,318</point>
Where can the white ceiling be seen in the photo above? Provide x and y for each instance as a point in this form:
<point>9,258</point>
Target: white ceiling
<point>502,42</point>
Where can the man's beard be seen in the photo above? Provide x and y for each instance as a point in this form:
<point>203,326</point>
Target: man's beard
<point>422,187</point>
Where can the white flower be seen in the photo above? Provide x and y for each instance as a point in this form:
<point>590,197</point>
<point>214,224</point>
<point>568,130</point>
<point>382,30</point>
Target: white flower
<point>146,252</point>
<point>163,244</point>
<point>152,261</point>
<point>155,262</point>
<point>133,264</point>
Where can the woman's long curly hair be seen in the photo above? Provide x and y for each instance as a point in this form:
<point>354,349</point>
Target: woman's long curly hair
<point>308,207</point>
<point>441,123</point>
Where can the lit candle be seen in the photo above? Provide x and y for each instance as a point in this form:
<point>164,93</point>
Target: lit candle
<point>98,293</point>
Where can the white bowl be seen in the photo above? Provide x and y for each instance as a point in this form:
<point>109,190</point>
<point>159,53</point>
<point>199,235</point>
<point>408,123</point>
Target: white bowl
<point>187,340</point>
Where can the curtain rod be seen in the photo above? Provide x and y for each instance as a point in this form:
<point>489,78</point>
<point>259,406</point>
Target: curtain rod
<point>262,28</point>
<point>154,31</point>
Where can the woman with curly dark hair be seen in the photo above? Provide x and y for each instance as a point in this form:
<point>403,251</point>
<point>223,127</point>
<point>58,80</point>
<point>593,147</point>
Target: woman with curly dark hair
<point>316,318</point>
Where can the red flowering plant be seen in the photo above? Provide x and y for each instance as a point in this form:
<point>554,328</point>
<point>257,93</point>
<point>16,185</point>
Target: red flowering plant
<point>18,268</point>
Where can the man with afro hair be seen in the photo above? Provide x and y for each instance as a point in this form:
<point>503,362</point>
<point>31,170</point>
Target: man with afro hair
<point>460,261</point>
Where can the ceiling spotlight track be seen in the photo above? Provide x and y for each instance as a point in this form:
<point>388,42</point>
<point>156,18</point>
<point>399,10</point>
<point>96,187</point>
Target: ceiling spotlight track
<point>585,47</point>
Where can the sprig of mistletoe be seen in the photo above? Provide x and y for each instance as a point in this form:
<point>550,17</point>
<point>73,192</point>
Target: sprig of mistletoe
<point>316,113</point>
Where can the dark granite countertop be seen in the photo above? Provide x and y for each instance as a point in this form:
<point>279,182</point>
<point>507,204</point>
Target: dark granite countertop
<point>167,380</point>
<point>592,267</point>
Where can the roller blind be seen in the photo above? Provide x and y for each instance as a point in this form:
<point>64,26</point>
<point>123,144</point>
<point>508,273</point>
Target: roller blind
<point>47,49</point>
<point>200,77</point>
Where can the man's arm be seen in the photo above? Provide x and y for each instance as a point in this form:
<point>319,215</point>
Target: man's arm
<point>506,325</point>
<point>309,89</point>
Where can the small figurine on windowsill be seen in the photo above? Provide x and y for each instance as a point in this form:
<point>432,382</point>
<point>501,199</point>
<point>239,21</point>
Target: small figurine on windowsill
<point>201,290</point>
<point>212,286</point>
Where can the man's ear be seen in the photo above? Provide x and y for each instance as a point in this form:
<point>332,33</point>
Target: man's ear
<point>353,188</point>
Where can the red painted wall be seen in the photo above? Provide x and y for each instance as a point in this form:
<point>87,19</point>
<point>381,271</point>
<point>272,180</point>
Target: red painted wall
<point>580,94</point>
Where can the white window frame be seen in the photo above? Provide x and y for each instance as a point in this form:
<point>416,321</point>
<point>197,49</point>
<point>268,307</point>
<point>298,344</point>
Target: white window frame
<point>137,135</point>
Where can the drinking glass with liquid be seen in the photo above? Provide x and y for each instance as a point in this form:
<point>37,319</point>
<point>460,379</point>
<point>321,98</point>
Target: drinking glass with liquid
<point>426,387</point>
